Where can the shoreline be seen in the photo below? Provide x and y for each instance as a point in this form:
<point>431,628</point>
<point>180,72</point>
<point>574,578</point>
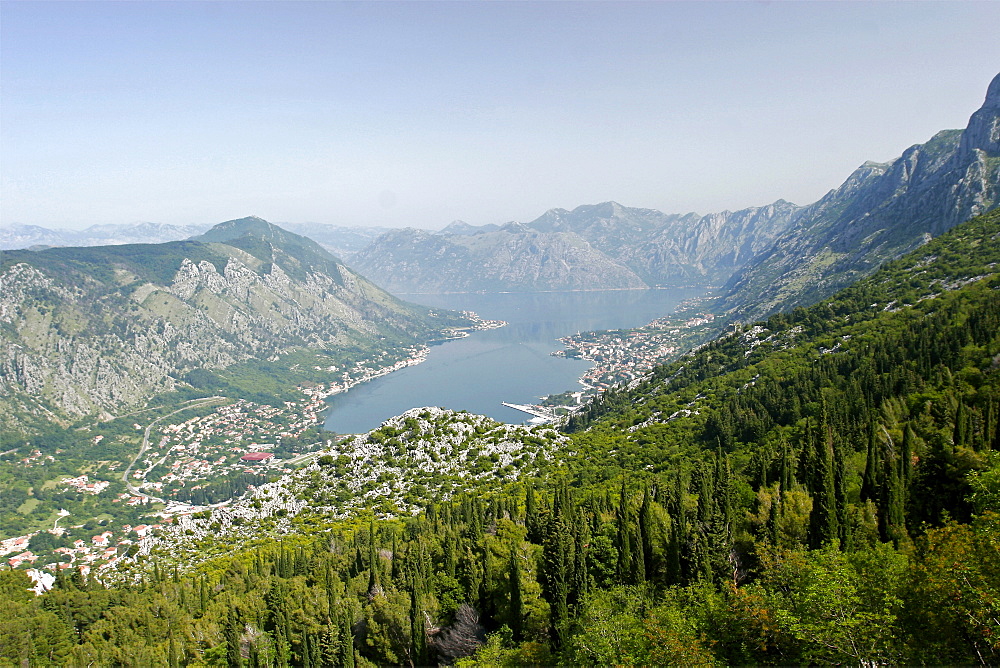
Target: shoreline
<point>696,286</point>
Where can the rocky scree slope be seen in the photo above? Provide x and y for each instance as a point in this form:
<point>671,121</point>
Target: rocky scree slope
<point>425,453</point>
<point>93,330</point>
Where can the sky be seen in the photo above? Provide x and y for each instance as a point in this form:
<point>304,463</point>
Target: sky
<point>421,113</point>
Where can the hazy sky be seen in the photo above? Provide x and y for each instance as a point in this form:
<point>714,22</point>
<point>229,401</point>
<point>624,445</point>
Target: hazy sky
<point>421,113</point>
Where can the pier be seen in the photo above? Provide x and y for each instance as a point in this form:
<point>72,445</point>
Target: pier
<point>537,411</point>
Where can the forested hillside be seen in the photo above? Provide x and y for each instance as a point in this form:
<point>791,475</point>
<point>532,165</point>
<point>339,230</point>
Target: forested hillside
<point>822,487</point>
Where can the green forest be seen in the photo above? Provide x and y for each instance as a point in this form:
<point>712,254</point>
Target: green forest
<point>819,488</point>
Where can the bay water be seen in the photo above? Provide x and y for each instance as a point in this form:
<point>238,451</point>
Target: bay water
<point>513,364</point>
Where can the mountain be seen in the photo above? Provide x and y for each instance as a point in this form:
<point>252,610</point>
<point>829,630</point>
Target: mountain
<point>513,257</point>
<point>462,227</point>
<point>17,236</point>
<point>770,257</point>
<point>593,247</point>
<point>98,329</point>
<point>880,212</point>
<point>819,488</point>
<point>671,249</point>
<point>341,241</point>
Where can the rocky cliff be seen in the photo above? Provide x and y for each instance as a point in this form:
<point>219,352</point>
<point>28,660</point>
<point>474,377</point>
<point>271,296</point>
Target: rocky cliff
<point>92,330</point>
<point>880,212</point>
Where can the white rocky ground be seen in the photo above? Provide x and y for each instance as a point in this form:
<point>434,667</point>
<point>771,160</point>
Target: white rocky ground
<point>422,454</point>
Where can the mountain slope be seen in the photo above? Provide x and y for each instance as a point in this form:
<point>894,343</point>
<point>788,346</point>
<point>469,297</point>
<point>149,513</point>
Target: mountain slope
<point>671,249</point>
<point>769,257</point>
<point>90,330</point>
<point>513,257</point>
<point>17,236</point>
<point>880,212</point>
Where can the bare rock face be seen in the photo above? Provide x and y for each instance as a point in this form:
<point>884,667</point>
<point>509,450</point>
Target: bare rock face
<point>879,213</point>
<point>983,132</point>
<point>92,330</point>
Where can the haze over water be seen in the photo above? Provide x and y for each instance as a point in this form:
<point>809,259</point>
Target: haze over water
<point>511,364</point>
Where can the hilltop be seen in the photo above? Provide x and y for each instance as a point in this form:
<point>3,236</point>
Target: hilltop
<point>98,330</point>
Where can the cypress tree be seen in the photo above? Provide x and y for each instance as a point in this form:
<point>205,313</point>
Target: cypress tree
<point>870,481</point>
<point>646,534</point>
<point>171,649</point>
<point>305,655</point>
<point>961,431</point>
<point>418,637</point>
<point>231,632</point>
<point>558,559</point>
<point>516,619</point>
<point>673,574</point>
<point>840,493</point>
<point>531,516</point>
<point>823,524</point>
<point>774,518</point>
<point>346,642</point>
<point>906,457</point>
<point>372,559</point>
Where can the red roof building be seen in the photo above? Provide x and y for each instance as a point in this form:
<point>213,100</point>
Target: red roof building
<point>257,456</point>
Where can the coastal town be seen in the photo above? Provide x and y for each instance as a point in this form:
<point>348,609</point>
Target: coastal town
<point>201,459</point>
<point>621,356</point>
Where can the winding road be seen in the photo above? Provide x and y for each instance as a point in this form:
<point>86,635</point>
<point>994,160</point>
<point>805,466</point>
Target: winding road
<point>193,403</point>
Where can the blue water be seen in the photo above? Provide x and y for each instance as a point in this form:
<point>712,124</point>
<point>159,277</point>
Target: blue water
<point>511,364</point>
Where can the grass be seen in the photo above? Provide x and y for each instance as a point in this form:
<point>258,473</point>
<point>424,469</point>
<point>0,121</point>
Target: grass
<point>28,506</point>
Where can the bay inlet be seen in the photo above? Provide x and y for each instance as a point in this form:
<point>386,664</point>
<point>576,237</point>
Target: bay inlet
<point>512,364</point>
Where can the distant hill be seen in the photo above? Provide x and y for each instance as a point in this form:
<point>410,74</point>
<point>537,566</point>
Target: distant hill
<point>18,236</point>
<point>339,240</point>
<point>880,212</point>
<point>769,257</point>
<point>91,330</point>
<point>512,257</point>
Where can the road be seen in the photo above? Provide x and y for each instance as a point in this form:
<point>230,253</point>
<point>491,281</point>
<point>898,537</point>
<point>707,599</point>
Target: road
<point>193,403</point>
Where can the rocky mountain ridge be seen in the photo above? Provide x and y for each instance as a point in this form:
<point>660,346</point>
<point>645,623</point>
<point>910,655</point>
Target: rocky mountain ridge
<point>93,330</point>
<point>769,257</point>
<point>339,240</point>
<point>512,257</point>
<point>16,236</point>
<point>880,212</point>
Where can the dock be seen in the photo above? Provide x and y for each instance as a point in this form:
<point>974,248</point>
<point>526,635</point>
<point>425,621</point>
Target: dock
<point>536,411</point>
